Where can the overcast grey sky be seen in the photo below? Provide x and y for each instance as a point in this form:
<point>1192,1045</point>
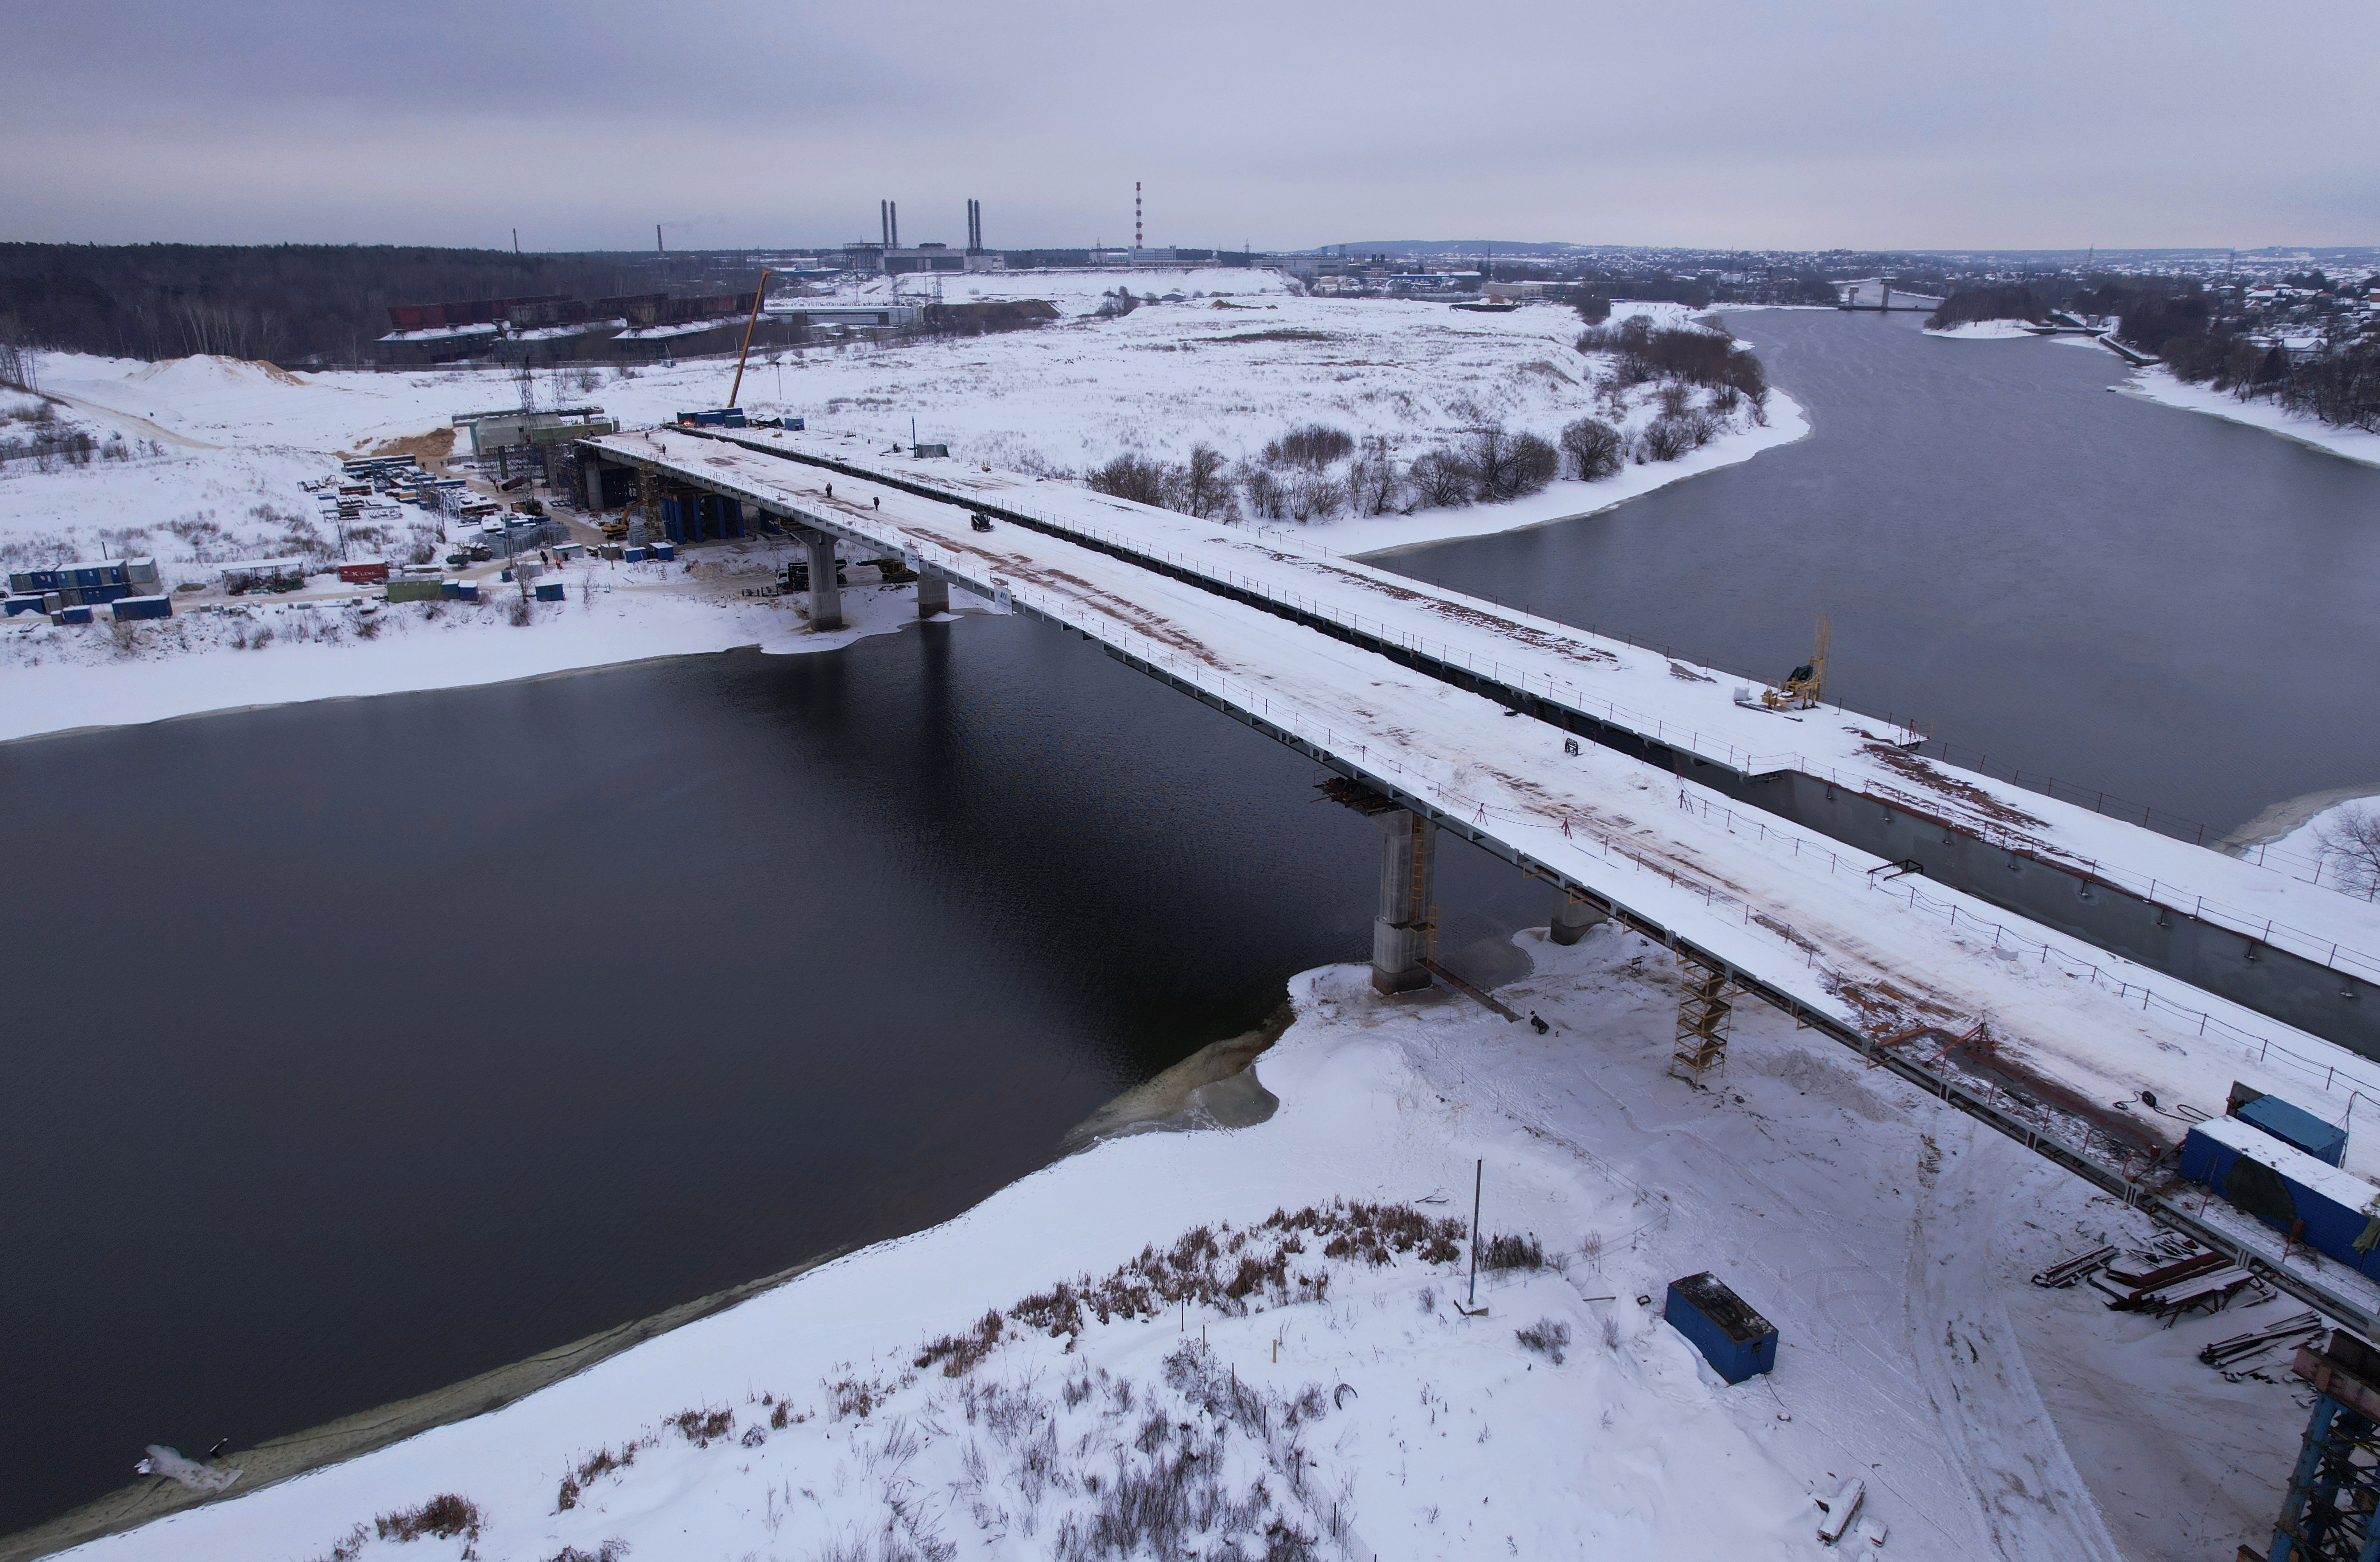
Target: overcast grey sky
<point>2023,124</point>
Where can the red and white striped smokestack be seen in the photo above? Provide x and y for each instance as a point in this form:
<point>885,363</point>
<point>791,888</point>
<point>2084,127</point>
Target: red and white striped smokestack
<point>1137,240</point>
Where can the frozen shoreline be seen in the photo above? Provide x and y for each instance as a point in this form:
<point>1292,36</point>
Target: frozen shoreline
<point>61,695</point>
<point>2158,385</point>
<point>1817,1190</point>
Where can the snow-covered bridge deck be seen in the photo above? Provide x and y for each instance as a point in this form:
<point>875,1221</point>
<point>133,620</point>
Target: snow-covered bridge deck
<point>2268,935</point>
<point>1808,925</point>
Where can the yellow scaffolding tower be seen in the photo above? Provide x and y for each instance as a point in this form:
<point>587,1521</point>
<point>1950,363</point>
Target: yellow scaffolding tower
<point>1706,1003</point>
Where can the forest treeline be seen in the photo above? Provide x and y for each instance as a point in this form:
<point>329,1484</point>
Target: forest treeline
<point>286,303</point>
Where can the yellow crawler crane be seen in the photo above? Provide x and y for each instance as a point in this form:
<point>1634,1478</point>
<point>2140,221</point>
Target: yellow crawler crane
<point>1802,688</point>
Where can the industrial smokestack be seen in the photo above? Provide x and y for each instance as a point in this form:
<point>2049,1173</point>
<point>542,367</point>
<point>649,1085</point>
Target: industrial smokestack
<point>884,223</point>
<point>893,208</point>
<point>659,247</point>
<point>1137,242</point>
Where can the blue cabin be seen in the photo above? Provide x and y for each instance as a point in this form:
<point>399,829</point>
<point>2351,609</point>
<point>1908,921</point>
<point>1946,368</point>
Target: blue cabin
<point>2313,1202</point>
<point>2293,1126</point>
<point>1734,1339</point>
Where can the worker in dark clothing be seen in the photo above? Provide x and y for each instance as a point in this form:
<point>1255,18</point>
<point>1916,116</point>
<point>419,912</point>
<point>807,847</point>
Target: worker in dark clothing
<point>830,490</point>
<point>877,501</point>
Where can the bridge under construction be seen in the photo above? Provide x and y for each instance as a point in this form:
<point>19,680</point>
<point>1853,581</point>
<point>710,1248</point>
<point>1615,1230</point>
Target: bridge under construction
<point>2071,978</point>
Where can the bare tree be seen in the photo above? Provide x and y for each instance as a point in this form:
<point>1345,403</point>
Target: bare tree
<point>1204,490</point>
<point>1505,466</point>
<point>1315,495</point>
<point>1267,500</point>
<point>1440,479</point>
<point>1490,460</point>
<point>1594,448</point>
<point>1374,484</point>
<point>2349,842</point>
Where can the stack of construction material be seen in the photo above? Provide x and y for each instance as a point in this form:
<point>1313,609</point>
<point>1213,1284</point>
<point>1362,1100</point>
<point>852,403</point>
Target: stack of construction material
<point>2172,1277</point>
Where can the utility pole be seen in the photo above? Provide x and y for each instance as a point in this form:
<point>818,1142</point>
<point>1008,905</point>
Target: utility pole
<point>515,241</point>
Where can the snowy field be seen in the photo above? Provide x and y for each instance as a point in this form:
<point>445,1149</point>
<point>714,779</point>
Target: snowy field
<point>202,459</point>
<point>1127,1354</point>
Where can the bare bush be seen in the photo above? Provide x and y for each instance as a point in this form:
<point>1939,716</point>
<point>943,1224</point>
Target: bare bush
<point>446,1516</point>
<point>1508,1251</point>
<point>1136,478</point>
<point>1664,439</point>
<point>1594,448</point>
<point>1314,447</point>
<point>1547,1337</point>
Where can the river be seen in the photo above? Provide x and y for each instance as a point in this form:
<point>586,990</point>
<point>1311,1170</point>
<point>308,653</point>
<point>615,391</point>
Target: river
<point>2092,588</point>
<point>360,1046</point>
<point>364,1045</point>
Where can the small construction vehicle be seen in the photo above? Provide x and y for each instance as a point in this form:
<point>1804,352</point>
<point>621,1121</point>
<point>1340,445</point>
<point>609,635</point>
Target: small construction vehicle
<point>1805,683</point>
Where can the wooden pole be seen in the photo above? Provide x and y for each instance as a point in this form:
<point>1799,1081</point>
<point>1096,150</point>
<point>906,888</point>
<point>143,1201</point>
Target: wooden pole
<point>757,293</point>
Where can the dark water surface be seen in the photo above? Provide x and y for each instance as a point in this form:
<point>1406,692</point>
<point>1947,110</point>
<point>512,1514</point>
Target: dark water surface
<point>360,1047</point>
<point>2091,587</point>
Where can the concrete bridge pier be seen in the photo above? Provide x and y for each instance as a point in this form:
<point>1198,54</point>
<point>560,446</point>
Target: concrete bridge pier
<point>1572,918</point>
<point>933,595</point>
<point>826,598</point>
<point>1401,932</point>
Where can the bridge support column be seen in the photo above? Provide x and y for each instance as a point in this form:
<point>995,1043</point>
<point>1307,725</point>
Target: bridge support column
<point>826,598</point>
<point>1572,918</point>
<point>933,595</point>
<point>1401,932</point>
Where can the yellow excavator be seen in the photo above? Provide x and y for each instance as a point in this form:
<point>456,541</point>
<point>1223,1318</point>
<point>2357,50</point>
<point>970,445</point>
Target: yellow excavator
<point>1804,686</point>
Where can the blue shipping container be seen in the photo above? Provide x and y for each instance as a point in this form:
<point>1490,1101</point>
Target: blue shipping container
<point>666,551</point>
<point>549,590</point>
<point>632,556</point>
<point>467,590</point>
<point>1734,1339</point>
<point>143,607</point>
<point>71,616</point>
<point>2292,1125</point>
<point>30,602</point>
<point>2287,1189</point>
<point>451,590</point>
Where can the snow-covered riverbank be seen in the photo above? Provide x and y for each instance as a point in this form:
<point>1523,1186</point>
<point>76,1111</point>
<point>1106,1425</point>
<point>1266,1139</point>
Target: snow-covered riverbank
<point>206,460</point>
<point>1211,1381</point>
<point>2158,385</point>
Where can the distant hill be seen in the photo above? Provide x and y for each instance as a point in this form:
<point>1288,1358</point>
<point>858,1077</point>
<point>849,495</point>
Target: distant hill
<point>1449,247</point>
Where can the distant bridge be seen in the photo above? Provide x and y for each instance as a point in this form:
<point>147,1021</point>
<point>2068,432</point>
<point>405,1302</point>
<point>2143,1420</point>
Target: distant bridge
<point>1954,930</point>
<point>1910,303</point>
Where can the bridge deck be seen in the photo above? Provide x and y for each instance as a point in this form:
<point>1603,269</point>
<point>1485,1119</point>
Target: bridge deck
<point>1810,925</point>
<point>1667,700</point>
